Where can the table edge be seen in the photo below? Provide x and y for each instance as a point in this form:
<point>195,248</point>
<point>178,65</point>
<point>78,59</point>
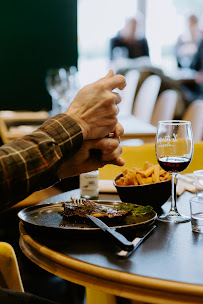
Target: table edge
<point>121,284</point>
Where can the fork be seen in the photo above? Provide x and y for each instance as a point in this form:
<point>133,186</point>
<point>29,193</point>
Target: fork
<point>77,201</point>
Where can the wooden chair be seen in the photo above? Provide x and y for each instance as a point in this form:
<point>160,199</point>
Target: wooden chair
<point>9,271</point>
<point>165,106</point>
<point>194,114</point>
<point>128,94</point>
<point>146,98</point>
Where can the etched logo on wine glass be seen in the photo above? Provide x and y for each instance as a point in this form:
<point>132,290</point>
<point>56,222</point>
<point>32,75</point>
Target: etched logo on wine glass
<point>167,140</point>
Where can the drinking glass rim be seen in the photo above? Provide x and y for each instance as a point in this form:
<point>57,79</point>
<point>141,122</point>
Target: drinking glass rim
<point>173,122</point>
<point>195,199</point>
<point>200,171</point>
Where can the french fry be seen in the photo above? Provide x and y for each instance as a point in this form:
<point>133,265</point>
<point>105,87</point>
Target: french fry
<point>147,165</point>
<point>142,173</point>
<point>156,174</point>
<point>135,180</point>
<point>148,180</point>
<point>167,176</point>
<point>140,179</point>
<point>162,172</point>
<point>150,171</point>
<point>120,181</point>
<point>126,171</point>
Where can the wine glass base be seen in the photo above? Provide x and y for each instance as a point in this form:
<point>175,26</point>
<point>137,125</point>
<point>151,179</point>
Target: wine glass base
<point>174,218</point>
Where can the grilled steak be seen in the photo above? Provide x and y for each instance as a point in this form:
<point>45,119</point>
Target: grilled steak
<point>92,208</point>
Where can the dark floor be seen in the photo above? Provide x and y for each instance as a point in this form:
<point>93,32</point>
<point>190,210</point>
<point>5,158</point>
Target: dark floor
<point>36,280</point>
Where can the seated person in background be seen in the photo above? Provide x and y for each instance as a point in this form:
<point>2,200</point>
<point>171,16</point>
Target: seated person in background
<point>127,43</point>
<point>197,64</point>
<point>187,43</point>
<point>194,90</point>
<point>188,54</point>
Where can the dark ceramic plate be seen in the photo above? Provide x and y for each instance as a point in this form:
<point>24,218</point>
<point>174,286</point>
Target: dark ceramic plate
<point>50,216</point>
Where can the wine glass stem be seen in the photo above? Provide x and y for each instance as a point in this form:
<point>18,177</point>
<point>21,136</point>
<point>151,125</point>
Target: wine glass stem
<point>173,192</point>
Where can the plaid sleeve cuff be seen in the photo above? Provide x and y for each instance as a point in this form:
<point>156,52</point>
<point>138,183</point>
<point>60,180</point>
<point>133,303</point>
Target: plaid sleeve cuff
<point>66,133</point>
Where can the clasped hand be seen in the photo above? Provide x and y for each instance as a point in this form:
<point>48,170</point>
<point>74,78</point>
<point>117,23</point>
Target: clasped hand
<point>95,110</point>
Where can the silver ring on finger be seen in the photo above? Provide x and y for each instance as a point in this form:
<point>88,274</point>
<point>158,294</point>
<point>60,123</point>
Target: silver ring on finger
<point>117,112</point>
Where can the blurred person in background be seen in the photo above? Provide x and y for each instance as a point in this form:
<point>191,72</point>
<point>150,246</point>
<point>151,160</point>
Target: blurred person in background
<point>129,41</point>
<point>189,55</point>
<point>188,42</point>
<point>197,64</point>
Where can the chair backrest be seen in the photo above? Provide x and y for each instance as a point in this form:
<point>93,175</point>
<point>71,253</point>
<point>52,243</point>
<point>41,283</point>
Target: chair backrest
<point>137,155</point>
<point>128,94</point>
<point>146,98</point>
<point>194,114</point>
<point>9,271</point>
<point>165,106</point>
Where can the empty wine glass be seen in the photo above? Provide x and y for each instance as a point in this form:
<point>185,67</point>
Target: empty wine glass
<point>174,151</point>
<point>61,85</point>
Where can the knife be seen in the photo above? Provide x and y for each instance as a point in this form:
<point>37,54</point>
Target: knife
<point>136,242</point>
<point>119,239</point>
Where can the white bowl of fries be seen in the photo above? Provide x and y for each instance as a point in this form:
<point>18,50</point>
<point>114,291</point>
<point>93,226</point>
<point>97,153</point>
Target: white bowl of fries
<point>150,185</point>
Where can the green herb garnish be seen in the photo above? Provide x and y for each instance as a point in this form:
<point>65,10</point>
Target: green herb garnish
<point>142,211</point>
<point>135,210</point>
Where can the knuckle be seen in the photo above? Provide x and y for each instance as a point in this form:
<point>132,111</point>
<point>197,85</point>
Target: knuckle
<point>110,96</point>
<point>114,121</point>
<point>114,110</point>
<point>102,86</point>
<point>117,98</point>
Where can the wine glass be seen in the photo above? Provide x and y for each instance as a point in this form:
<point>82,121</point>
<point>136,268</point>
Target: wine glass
<point>174,151</point>
<point>61,85</point>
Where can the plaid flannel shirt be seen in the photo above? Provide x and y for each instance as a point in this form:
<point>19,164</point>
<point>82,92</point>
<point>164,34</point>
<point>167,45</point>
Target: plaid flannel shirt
<point>30,163</point>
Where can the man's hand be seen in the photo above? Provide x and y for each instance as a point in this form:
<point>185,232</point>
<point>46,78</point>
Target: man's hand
<point>94,154</point>
<point>95,106</point>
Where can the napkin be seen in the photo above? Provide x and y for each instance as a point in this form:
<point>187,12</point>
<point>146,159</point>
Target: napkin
<point>183,185</point>
<point>106,186</point>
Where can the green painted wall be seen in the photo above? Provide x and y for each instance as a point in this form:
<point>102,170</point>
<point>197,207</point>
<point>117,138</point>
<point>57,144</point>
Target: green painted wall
<point>34,35</point>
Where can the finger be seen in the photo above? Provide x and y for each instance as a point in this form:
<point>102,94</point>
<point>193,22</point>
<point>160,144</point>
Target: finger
<point>106,78</point>
<point>117,98</point>
<point>119,130</point>
<point>107,151</point>
<point>115,110</point>
<point>105,144</point>
<point>112,154</point>
<point>117,81</point>
<point>110,74</point>
<point>119,161</point>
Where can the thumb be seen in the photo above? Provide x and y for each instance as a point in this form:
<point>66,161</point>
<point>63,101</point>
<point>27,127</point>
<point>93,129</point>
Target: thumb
<point>109,75</point>
<point>119,161</point>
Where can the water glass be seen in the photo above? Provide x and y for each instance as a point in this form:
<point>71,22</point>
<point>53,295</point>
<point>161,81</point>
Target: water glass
<point>196,210</point>
<point>198,175</point>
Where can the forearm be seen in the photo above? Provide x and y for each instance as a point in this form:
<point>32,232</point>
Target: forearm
<point>30,163</point>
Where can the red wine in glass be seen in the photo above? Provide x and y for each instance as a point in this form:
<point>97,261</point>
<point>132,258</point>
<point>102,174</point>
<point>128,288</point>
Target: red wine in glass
<point>174,163</point>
